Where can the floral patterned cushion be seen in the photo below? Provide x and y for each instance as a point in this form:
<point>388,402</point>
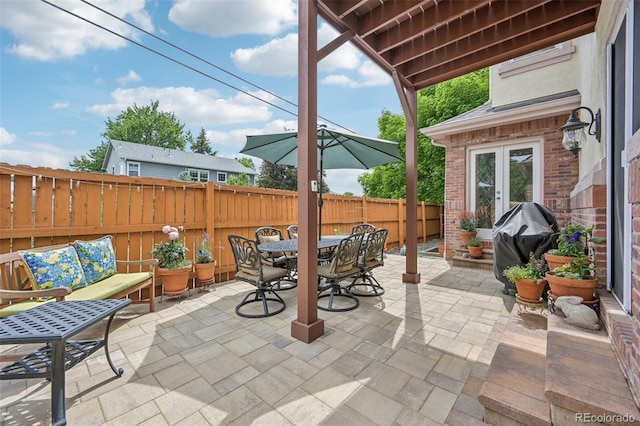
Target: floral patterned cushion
<point>54,268</point>
<point>97,259</point>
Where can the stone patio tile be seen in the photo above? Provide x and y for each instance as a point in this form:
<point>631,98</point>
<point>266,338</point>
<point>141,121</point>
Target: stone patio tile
<point>300,368</point>
<point>331,387</point>
<point>244,344</point>
<point>411,363</point>
<point>150,367</point>
<point>409,417</point>
<point>176,375</point>
<point>266,357</point>
<point>414,393</point>
<point>222,366</point>
<point>454,367</point>
<point>195,419</point>
<point>373,333</point>
<point>351,363</point>
<point>274,384</point>
<point>138,416</point>
<point>158,420</point>
<point>261,414</point>
<point>87,413</point>
<point>439,404</point>
<point>213,331</point>
<point>341,340</point>
<point>326,358</point>
<point>235,380</point>
<point>450,345</point>
<point>472,337</point>
<point>186,400</point>
<point>230,406</point>
<point>378,352</point>
<point>470,406</point>
<point>129,397</point>
<point>180,343</point>
<point>345,415</point>
<point>203,352</point>
<point>383,378</point>
<point>300,408</point>
<point>367,402</point>
<point>306,351</point>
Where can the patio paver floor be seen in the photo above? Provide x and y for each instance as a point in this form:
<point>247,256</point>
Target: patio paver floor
<point>414,356</point>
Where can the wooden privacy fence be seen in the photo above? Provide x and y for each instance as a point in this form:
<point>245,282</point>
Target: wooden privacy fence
<point>42,206</point>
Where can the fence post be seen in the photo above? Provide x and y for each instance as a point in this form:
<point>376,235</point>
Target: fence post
<point>400,223</point>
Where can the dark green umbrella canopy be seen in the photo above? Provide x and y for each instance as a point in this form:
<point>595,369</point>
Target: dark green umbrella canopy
<point>336,150</point>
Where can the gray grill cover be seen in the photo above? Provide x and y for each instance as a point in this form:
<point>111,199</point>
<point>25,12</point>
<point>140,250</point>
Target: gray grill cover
<point>526,228</point>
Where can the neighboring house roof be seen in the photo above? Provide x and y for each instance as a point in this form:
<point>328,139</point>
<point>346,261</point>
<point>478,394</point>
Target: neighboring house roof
<point>153,154</point>
<point>486,115</point>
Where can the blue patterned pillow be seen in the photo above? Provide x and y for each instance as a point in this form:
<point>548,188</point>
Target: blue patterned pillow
<point>54,268</point>
<point>97,259</point>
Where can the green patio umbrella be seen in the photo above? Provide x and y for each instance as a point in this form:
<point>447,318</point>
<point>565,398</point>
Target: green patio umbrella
<point>336,150</point>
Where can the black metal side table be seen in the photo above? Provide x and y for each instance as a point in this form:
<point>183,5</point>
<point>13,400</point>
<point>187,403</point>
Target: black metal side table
<point>53,323</point>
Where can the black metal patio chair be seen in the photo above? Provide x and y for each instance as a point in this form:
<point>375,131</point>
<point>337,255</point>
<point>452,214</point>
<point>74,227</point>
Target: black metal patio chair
<point>371,256</point>
<point>342,266</point>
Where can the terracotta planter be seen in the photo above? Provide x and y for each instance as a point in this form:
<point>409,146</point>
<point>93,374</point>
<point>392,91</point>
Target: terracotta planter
<point>475,251</point>
<point>205,271</point>
<point>529,290</point>
<point>561,286</point>
<point>555,261</point>
<point>441,249</point>
<point>174,281</point>
<point>466,235</point>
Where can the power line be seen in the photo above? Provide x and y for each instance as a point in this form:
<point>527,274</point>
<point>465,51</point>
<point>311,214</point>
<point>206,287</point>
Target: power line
<point>192,55</point>
<point>169,58</point>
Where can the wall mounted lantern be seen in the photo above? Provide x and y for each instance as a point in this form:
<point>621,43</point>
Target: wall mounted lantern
<point>574,135</point>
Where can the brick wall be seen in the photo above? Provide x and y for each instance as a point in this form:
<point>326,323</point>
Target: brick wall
<point>560,169</point>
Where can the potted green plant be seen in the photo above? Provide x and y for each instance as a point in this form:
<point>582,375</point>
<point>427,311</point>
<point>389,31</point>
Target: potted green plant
<point>474,246</point>
<point>529,278</point>
<point>174,266</point>
<point>574,278</point>
<point>467,224</point>
<point>573,241</point>
<point>205,264</point>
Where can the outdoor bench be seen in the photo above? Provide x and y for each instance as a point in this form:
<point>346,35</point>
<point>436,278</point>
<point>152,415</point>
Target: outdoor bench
<point>83,270</point>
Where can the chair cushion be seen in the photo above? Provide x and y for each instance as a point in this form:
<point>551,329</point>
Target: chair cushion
<point>269,239</point>
<point>54,268</point>
<point>109,286</point>
<point>97,259</point>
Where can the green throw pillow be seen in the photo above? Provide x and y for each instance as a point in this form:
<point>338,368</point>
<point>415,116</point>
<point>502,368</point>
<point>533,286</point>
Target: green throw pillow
<point>54,268</point>
<point>97,259</point>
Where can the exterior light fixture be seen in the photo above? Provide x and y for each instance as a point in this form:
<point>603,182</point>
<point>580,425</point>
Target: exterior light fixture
<point>574,134</point>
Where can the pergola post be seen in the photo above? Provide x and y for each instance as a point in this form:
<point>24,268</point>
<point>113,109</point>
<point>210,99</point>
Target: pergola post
<point>409,100</point>
<point>307,327</point>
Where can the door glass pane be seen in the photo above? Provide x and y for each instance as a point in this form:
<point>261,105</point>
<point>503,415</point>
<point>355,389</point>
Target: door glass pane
<point>520,176</point>
<point>485,189</point>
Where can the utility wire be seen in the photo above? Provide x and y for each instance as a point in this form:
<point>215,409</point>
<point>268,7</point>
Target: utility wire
<point>169,58</point>
<point>196,57</point>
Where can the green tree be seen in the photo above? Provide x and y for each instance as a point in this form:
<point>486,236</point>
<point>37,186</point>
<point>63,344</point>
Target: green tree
<point>277,176</point>
<point>435,105</point>
<point>247,162</point>
<point>201,145</point>
<point>239,180</point>
<point>146,125</point>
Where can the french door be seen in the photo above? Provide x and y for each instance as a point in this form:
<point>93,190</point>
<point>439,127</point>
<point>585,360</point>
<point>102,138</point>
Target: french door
<point>500,177</point>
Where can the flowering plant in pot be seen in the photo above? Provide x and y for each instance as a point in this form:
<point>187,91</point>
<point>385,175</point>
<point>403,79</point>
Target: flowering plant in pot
<point>528,278</point>
<point>468,227</point>
<point>573,241</point>
<point>205,263</point>
<point>174,265</point>
<point>574,278</point>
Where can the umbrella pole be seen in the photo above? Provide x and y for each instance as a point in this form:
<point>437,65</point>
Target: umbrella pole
<point>320,201</point>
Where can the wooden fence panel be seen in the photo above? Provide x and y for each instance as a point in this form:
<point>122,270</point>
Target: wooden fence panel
<point>42,206</point>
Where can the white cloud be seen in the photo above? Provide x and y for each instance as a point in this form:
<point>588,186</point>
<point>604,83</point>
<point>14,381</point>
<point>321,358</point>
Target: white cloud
<point>6,138</point>
<point>39,154</point>
<point>45,33</point>
<point>41,133</point>
<point>131,76</point>
<point>196,107</point>
<point>279,57</point>
<point>71,133</point>
<point>232,17</point>
<point>60,105</point>
<point>368,75</point>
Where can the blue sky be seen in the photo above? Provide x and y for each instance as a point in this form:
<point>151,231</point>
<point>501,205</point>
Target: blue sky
<point>62,78</point>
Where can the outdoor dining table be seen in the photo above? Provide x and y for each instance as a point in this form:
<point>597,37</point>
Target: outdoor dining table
<point>53,323</point>
<point>291,245</point>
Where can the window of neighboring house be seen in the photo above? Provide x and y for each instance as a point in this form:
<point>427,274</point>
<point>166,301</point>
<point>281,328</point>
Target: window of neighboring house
<point>199,175</point>
<point>133,169</point>
<point>538,59</point>
<point>113,170</point>
<point>222,177</point>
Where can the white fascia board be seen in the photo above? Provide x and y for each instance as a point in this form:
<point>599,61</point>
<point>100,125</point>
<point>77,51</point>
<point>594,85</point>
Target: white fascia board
<point>516,115</point>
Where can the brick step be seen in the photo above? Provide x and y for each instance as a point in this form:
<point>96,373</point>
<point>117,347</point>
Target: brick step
<point>584,376</point>
<point>469,262</point>
<point>513,392</point>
